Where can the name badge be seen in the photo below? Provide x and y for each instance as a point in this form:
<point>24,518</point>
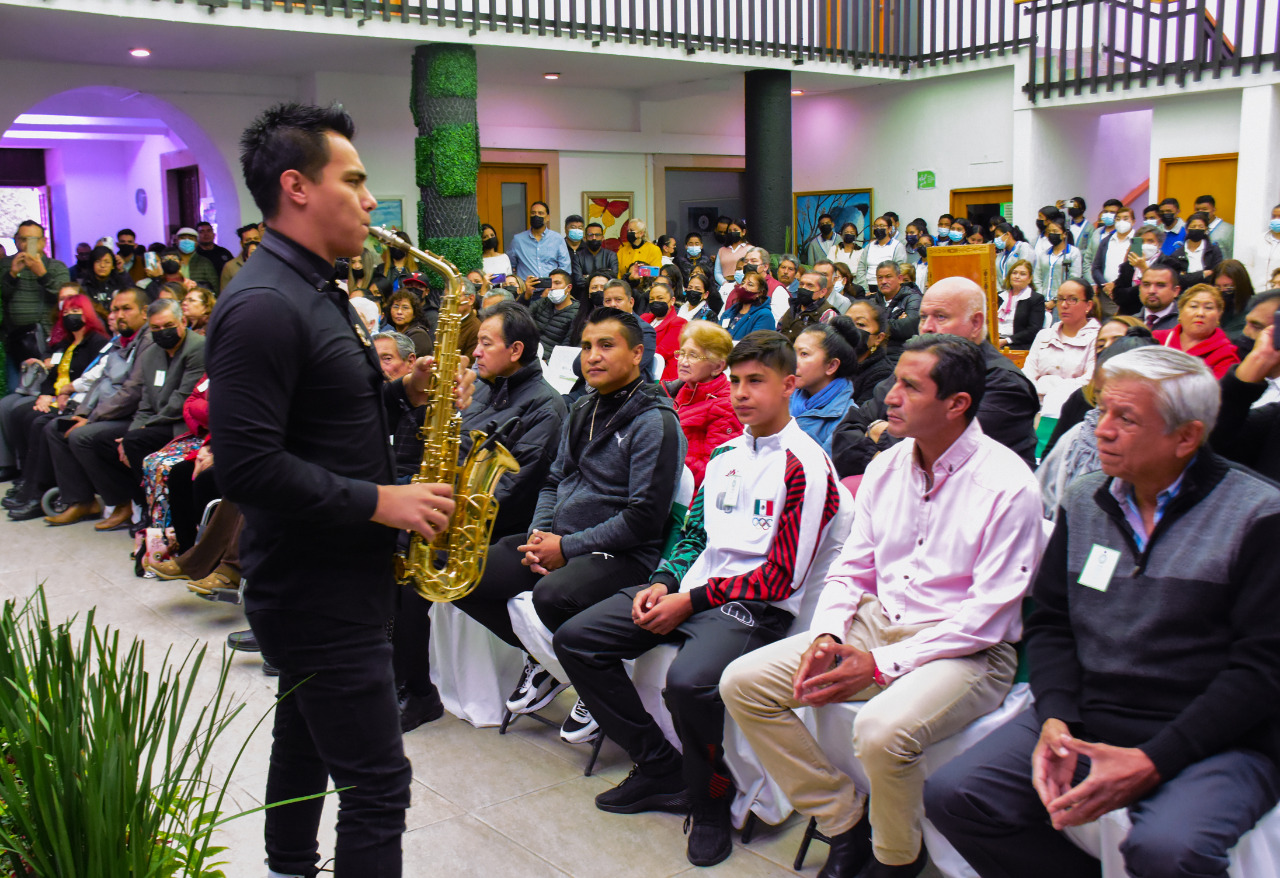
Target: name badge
<point>56,358</point>
<point>732,493</point>
<point>1099,568</point>
<point>203,385</point>
<point>159,379</point>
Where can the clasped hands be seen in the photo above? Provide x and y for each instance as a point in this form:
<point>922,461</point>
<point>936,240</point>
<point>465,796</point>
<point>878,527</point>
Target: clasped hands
<point>660,611</point>
<point>1118,776</point>
<point>830,672</point>
<point>542,553</point>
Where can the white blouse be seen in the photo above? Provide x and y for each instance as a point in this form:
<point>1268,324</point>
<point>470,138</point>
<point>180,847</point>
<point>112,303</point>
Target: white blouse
<point>1057,365</point>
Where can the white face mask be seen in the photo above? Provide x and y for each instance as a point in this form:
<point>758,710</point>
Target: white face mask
<point>557,296</point>
<point>1123,227</point>
<point>1150,251</point>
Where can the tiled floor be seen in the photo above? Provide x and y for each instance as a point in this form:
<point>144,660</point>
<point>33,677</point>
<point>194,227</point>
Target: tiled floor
<point>484,805</point>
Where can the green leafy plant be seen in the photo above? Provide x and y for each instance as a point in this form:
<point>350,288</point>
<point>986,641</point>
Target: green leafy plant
<point>106,768</point>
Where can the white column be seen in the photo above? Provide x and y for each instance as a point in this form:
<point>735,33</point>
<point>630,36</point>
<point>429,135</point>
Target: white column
<point>1258,169</point>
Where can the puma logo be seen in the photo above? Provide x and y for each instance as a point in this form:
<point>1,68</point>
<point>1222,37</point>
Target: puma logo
<point>739,613</point>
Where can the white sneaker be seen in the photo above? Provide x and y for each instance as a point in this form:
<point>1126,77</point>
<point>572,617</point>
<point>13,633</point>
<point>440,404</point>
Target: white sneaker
<point>536,690</point>
<point>579,726</point>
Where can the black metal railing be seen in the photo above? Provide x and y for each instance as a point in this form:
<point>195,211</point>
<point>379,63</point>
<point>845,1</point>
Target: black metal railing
<point>1105,45</point>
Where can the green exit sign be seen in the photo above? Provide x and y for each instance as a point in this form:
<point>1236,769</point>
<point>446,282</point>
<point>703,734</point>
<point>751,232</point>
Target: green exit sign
<point>1006,209</point>
<point>926,180</point>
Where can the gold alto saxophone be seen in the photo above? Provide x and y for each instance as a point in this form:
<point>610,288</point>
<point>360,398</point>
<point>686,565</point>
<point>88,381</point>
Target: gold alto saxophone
<point>450,566</point>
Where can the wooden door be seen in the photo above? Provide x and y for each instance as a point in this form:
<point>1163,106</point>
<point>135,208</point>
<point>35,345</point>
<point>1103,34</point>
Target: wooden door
<point>504,193</point>
<point>979,205</point>
<point>1186,178</point>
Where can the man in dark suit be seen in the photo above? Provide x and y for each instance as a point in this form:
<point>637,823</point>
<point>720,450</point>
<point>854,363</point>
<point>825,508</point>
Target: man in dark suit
<point>1159,293</point>
<point>590,257</point>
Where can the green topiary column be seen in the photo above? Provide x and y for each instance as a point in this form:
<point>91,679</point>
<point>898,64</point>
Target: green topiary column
<point>447,152</point>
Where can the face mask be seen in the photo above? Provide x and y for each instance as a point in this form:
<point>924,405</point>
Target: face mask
<point>1053,238</point>
<point>574,235</point>
<point>557,296</point>
<point>489,243</point>
<point>1075,212</point>
<point>1108,219</point>
<point>597,298</point>
<point>1169,219</point>
<point>1123,227</point>
<point>848,237</point>
<point>1000,243</point>
<point>659,309</point>
<point>1196,234</point>
<point>733,237</point>
<point>720,237</point>
<point>187,246</point>
<point>880,234</point>
<point>912,240</point>
<point>632,238</point>
<point>738,276</point>
<point>170,266</point>
<point>956,235</point>
<point>1275,226</point>
<point>397,254</point>
<point>357,273</point>
<point>537,222</point>
<point>1040,225</point>
<point>1150,251</point>
<point>593,246</point>
<point>838,286</point>
<point>922,252</point>
<point>826,229</point>
<point>693,252</point>
<point>73,322</point>
<point>804,297</point>
<point>166,338</point>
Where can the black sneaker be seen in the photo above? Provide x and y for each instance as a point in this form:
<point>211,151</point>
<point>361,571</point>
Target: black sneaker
<point>243,641</point>
<point>537,688</point>
<point>640,793</point>
<point>877,869</point>
<point>417,710</point>
<point>708,826</point>
<point>579,727</point>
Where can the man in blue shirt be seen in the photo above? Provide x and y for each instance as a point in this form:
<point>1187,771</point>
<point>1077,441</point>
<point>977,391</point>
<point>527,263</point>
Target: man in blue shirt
<point>538,250</point>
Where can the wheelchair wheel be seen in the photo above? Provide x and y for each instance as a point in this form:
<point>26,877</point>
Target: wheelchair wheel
<point>52,502</point>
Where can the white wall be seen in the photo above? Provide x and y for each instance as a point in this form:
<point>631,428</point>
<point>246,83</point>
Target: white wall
<point>878,137</point>
<point>1195,124</point>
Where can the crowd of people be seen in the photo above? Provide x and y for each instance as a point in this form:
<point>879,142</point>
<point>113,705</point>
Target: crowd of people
<point>784,390</point>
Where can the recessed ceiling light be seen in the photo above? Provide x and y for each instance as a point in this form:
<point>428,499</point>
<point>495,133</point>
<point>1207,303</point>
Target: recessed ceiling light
<point>551,76</point>
<point>796,92</point>
<point>140,53</point>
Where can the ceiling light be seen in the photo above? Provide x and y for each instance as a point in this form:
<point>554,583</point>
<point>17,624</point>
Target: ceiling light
<point>796,92</point>
<point>140,53</point>
<point>551,76</point>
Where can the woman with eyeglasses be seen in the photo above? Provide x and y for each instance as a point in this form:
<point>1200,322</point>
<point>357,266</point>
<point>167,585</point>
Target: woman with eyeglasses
<point>1062,356</point>
<point>701,393</point>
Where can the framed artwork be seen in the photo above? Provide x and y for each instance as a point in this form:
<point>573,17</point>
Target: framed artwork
<point>613,211</point>
<point>977,262</point>
<point>845,206</point>
<point>389,212</point>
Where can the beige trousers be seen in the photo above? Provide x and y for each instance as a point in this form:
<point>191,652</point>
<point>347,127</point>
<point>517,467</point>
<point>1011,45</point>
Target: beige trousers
<point>890,733</point>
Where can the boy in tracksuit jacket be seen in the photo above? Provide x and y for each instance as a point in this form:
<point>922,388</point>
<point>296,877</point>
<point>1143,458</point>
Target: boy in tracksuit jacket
<point>733,584</point>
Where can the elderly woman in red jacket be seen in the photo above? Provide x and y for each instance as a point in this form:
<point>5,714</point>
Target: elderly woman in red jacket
<point>1198,331</point>
<point>701,393</point>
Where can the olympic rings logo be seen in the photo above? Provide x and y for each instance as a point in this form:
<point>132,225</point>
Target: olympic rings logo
<point>761,522</point>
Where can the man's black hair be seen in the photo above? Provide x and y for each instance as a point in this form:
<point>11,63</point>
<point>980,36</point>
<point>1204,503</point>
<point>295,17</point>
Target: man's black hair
<point>29,222</point>
<point>128,232</point>
<point>288,136</point>
<point>1205,199</point>
<point>1170,200</point>
<point>594,225</point>
<point>568,278</point>
<point>517,326</point>
<point>961,367</point>
<point>545,207</point>
<point>629,323</point>
<point>573,218</point>
<point>767,347</point>
<point>1112,202</point>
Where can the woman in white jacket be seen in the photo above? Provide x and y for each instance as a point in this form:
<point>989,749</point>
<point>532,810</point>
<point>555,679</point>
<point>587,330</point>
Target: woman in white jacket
<point>881,249</point>
<point>1062,357</point>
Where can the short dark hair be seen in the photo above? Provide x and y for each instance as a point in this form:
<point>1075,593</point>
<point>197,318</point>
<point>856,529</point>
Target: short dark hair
<point>961,367</point>
<point>604,274</point>
<point>1174,277</point>
<point>1080,199</point>
<point>1170,200</point>
<point>767,347</point>
<point>689,237</point>
<point>1112,202</point>
<point>946,216</point>
<point>889,214</point>
<point>1150,207</point>
<point>140,297</point>
<point>545,206</point>
<point>629,323</point>
<point>724,219</point>
<point>1199,215</point>
<point>29,222</point>
<point>129,232</point>
<point>204,223</point>
<point>573,218</point>
<point>288,136</point>
<point>621,284</point>
<point>594,225</point>
<point>517,326</point>
<point>823,216</point>
<point>1205,199</point>
<point>568,278</point>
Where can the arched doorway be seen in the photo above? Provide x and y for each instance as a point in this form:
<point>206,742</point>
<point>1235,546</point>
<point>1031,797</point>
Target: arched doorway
<point>116,158</point>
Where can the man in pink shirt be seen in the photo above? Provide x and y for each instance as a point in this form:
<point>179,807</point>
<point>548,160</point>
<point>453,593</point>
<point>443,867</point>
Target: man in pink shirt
<point>918,616</point>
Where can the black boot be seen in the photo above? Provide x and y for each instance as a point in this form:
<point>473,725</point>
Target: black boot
<point>850,851</point>
<point>709,827</point>
<point>877,869</point>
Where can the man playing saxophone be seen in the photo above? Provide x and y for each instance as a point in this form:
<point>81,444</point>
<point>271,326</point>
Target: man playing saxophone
<point>300,419</point>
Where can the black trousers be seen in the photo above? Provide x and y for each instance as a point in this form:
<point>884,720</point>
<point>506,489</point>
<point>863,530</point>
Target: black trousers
<point>86,443</point>
<point>558,596</point>
<point>187,500</point>
<point>411,642</point>
<point>341,721</point>
<point>983,802</point>
<point>37,464</point>
<point>593,644</point>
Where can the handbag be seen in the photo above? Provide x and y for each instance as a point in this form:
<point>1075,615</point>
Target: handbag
<point>33,376</point>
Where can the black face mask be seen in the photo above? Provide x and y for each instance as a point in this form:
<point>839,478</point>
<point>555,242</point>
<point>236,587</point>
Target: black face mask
<point>659,309</point>
<point>804,297</point>
<point>849,237</point>
<point>912,240</point>
<point>166,338</point>
<point>357,273</point>
<point>537,222</point>
<point>880,234</point>
<point>170,266</point>
<point>1244,346</point>
<point>126,250</point>
<point>632,238</point>
<point>489,243</point>
<point>597,299</point>
<point>1196,234</point>
<point>594,245</point>
<point>732,237</point>
<point>719,236</point>
<point>1040,225</point>
<point>826,229</point>
<point>1053,238</point>
<point>1075,212</point>
<point>922,251</point>
<point>397,254</point>
<point>73,322</point>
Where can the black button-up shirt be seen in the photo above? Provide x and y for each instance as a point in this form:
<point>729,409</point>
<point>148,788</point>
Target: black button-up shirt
<point>297,405</point>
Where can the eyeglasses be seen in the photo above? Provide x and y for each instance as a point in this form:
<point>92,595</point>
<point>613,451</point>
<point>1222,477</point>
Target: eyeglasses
<point>689,357</point>
<point>1068,300</point>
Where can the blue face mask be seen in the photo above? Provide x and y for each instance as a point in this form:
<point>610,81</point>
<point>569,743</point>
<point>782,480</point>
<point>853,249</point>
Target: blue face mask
<point>694,252</point>
<point>1108,219</point>
<point>574,235</point>
<point>999,243</point>
<point>738,276</point>
<point>1275,225</point>
<point>187,246</point>
<point>956,235</point>
<point>838,286</point>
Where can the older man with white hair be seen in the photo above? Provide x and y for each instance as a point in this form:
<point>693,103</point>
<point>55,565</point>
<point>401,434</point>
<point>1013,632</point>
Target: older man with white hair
<point>1152,651</point>
<point>952,306</point>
